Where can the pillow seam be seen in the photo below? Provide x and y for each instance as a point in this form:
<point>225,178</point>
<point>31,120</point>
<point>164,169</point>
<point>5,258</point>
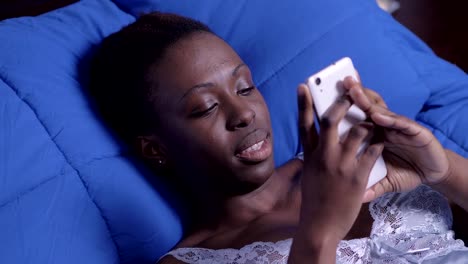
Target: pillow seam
<point>83,182</point>
<point>307,46</point>
<point>460,147</point>
<point>422,80</point>
<point>31,189</point>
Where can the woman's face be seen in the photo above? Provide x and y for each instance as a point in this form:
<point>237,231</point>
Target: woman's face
<point>214,124</point>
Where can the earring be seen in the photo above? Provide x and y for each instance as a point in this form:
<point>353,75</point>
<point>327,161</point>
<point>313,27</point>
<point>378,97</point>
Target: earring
<point>161,162</point>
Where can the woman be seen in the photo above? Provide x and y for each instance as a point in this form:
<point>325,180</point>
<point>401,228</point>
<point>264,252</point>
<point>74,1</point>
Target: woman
<point>186,103</point>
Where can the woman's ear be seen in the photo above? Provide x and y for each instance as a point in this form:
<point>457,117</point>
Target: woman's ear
<point>151,149</point>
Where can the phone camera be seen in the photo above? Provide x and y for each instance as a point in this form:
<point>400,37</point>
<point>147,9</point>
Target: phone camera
<point>318,81</point>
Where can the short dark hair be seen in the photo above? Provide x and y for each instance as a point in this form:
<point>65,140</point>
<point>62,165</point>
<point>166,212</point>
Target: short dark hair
<point>123,93</point>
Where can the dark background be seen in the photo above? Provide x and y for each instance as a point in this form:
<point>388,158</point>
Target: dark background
<point>443,25</point>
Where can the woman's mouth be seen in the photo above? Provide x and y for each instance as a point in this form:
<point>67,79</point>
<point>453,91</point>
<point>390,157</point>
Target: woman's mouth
<point>258,149</point>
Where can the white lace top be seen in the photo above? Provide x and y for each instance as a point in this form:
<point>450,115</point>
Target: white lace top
<point>411,227</point>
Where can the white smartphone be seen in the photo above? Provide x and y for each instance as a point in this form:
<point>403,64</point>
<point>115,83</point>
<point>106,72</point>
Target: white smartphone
<point>326,87</point>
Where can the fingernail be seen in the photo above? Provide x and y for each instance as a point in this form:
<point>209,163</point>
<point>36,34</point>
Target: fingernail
<point>303,98</point>
<point>368,195</point>
<point>380,115</point>
<point>351,79</point>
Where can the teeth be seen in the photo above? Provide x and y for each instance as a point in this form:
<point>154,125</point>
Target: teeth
<point>254,147</point>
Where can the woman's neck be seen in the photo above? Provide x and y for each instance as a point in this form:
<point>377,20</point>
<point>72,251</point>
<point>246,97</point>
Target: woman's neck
<point>239,210</point>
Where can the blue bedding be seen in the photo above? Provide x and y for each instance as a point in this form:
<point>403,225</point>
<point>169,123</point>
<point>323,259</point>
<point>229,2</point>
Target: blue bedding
<point>70,193</point>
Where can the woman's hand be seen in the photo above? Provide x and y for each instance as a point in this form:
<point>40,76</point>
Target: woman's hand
<point>412,153</point>
<point>334,178</point>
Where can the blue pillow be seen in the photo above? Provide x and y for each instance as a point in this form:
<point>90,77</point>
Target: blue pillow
<point>68,193</point>
<point>284,42</point>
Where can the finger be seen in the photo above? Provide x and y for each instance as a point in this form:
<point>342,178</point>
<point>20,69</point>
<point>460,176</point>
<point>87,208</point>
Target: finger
<point>331,118</point>
<point>364,98</point>
<point>356,93</point>
<point>380,188</point>
<point>368,159</point>
<point>355,140</point>
<point>306,114</point>
<point>375,97</point>
<point>358,76</point>
<point>396,122</point>
<point>361,100</point>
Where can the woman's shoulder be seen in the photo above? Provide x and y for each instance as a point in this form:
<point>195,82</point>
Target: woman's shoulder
<point>189,245</point>
<point>169,259</point>
<point>271,233</point>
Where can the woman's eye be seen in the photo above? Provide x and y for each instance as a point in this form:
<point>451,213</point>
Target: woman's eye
<point>203,113</point>
<point>246,91</point>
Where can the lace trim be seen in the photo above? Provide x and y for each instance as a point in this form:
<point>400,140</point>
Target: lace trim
<point>408,228</point>
<point>422,209</point>
<point>257,252</point>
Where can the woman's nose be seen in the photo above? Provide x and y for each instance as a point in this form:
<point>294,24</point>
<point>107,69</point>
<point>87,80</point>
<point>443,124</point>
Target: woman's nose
<point>241,116</point>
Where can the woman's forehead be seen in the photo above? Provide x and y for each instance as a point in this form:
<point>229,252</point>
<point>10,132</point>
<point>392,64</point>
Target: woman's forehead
<point>199,58</point>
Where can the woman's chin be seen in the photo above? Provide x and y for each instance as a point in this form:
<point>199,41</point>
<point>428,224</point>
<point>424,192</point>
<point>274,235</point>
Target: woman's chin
<point>257,175</point>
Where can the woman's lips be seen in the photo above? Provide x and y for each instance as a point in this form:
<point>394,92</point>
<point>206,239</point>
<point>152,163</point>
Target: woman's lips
<point>259,150</point>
